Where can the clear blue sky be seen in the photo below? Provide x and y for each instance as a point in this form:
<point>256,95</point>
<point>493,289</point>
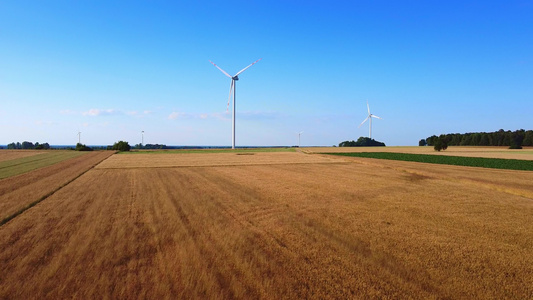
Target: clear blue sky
<point>111,69</point>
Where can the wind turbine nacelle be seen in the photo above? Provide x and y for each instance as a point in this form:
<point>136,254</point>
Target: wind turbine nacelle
<point>235,78</point>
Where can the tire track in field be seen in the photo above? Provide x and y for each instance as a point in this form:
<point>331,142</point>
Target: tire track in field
<point>203,239</point>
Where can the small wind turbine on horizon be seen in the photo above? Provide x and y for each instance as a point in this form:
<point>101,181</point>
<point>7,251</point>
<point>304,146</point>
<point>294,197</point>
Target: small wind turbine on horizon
<point>232,87</point>
<point>369,117</point>
<point>79,137</point>
<point>299,134</point>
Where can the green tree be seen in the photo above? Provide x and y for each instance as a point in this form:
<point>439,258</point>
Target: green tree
<point>517,138</point>
<point>347,144</point>
<point>441,143</point>
<point>476,139</point>
<point>500,138</point>
<point>431,140</point>
<point>27,145</point>
<point>455,140</point>
<point>362,142</point>
<point>82,147</point>
<point>467,139</point>
<point>528,138</point>
<point>422,142</point>
<point>484,141</point>
<point>121,146</point>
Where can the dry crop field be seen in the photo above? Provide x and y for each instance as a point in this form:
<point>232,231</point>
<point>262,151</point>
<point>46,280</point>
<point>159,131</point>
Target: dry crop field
<point>274,225</point>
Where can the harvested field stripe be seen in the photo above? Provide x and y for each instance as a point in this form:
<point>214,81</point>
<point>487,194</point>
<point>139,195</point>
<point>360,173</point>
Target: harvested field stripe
<point>30,159</point>
<point>6,155</point>
<point>22,165</point>
<point>493,163</point>
<point>32,204</point>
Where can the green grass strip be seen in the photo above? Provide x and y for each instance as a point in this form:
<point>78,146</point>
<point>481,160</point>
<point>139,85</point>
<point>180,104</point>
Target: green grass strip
<point>26,164</point>
<point>207,151</point>
<point>493,163</point>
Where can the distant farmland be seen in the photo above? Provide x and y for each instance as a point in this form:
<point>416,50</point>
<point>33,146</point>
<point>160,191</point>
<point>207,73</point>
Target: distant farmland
<point>273,225</point>
<point>493,163</point>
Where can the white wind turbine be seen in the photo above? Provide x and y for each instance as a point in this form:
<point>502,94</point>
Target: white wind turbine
<point>232,87</point>
<point>369,117</point>
<point>299,134</point>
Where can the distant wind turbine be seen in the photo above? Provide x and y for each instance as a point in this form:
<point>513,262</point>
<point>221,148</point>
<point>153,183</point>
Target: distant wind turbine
<point>299,134</point>
<point>369,117</point>
<point>79,137</point>
<point>232,87</point>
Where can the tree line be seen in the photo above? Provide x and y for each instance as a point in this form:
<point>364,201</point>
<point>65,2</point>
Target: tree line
<point>151,146</point>
<point>513,139</point>
<point>362,142</point>
<point>119,146</point>
<point>28,145</point>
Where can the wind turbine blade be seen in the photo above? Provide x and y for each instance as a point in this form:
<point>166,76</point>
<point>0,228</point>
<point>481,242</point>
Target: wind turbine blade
<point>230,90</point>
<point>363,122</point>
<point>247,67</point>
<point>374,116</point>
<point>220,69</point>
<point>367,106</point>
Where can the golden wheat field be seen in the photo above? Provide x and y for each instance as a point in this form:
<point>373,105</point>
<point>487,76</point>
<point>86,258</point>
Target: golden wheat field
<point>274,226</point>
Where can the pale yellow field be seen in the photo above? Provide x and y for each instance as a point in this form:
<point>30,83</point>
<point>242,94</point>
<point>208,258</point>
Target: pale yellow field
<point>209,159</point>
<point>246,227</point>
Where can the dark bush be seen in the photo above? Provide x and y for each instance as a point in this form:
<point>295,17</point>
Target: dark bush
<point>121,146</point>
<point>82,147</point>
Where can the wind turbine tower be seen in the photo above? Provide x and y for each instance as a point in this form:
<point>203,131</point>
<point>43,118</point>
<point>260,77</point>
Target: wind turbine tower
<point>299,134</point>
<point>79,137</point>
<point>369,118</point>
<point>232,87</point>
